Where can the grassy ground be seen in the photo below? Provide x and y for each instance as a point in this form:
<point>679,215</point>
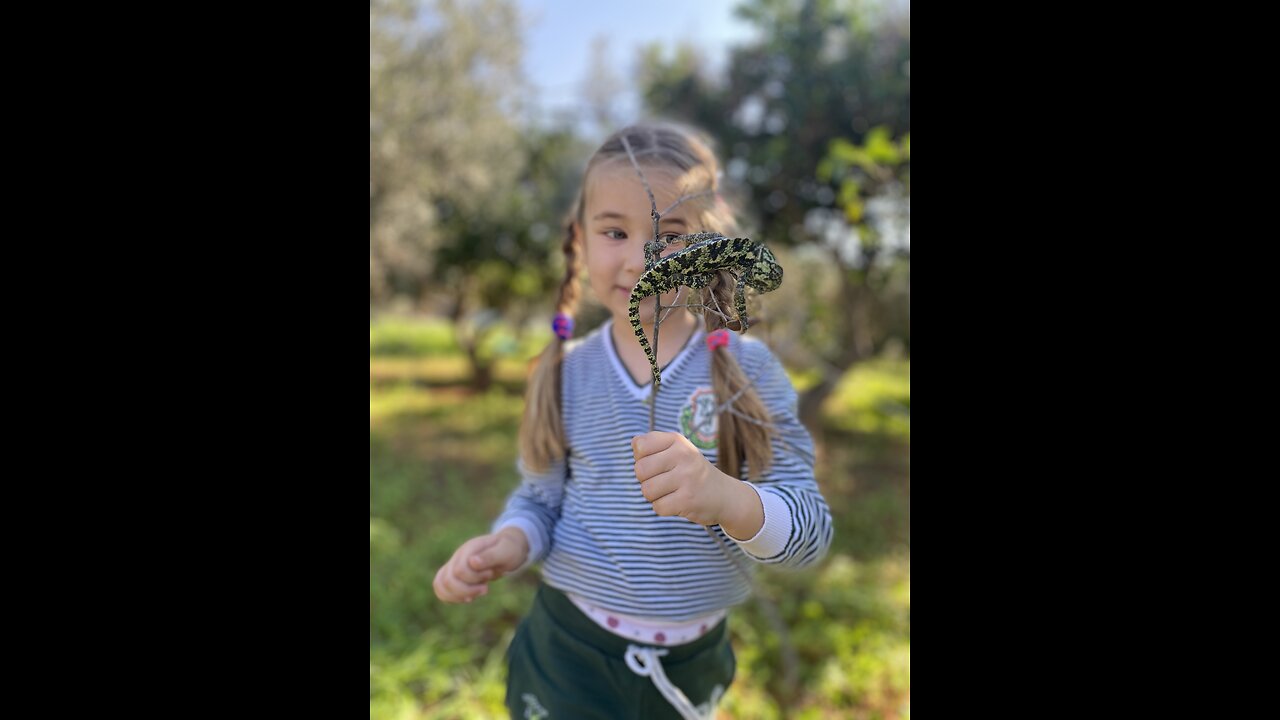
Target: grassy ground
<point>441,462</point>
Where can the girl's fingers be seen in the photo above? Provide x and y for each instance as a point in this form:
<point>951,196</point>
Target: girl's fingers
<point>487,560</point>
<point>464,573</point>
<point>648,467</point>
<point>450,586</point>
<point>467,574</point>
<point>459,580</point>
<point>446,586</point>
<point>651,443</point>
<point>658,487</point>
<point>667,505</point>
<point>462,591</point>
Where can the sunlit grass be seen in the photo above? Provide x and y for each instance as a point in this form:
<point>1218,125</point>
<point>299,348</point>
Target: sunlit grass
<point>874,397</point>
<point>397,400</point>
<point>399,336</point>
<point>446,370</point>
<point>393,336</point>
<point>803,378</point>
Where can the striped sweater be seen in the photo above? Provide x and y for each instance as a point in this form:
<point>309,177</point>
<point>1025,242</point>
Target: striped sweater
<point>589,523</point>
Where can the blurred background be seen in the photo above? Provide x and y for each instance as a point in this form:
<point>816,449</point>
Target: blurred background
<point>482,114</point>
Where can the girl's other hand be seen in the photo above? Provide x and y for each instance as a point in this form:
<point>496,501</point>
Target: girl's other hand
<point>478,561</point>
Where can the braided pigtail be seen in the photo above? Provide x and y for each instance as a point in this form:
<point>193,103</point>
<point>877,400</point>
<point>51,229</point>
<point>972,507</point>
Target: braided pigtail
<point>542,440</point>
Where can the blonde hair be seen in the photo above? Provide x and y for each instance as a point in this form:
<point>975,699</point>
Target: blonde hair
<point>659,145</point>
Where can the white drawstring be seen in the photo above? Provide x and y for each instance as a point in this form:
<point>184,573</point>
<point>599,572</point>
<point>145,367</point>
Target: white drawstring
<point>644,662</point>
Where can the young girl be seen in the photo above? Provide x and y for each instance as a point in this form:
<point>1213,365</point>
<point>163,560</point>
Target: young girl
<point>629,620</point>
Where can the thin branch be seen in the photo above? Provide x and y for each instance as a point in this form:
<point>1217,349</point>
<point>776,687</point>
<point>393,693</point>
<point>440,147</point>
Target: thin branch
<point>691,196</point>
<point>669,308</point>
<point>626,145</point>
<point>650,259</point>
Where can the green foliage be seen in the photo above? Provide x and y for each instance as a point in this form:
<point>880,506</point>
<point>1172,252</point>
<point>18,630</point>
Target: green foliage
<point>503,253</point>
<point>443,77</point>
<point>863,172</point>
<point>878,150</point>
<point>814,121</point>
<point>819,70</point>
<point>465,202</point>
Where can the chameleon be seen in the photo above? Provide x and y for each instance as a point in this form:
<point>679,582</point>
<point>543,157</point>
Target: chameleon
<point>704,255</point>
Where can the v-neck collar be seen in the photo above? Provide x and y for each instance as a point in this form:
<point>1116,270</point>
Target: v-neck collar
<point>638,391</point>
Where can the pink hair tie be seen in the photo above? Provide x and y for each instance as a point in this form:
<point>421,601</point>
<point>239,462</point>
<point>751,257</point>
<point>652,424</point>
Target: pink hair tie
<point>562,325</point>
<point>717,339</point>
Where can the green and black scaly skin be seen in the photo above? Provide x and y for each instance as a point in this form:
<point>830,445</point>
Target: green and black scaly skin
<point>705,254</point>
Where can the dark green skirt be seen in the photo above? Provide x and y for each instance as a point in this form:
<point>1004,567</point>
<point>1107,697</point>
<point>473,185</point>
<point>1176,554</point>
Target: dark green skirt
<point>563,665</point>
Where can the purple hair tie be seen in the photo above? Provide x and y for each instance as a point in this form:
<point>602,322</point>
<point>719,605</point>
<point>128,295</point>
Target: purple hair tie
<point>563,326</point>
<point>717,339</point>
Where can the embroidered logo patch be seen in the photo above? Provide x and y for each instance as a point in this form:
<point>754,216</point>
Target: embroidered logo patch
<point>698,419</point>
<point>533,709</point>
<point>708,708</point>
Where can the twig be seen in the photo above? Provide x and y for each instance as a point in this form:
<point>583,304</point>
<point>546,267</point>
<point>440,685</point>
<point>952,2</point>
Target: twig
<point>682,198</point>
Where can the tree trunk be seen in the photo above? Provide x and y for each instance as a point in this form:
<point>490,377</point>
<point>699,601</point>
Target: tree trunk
<point>481,371</point>
<point>470,339</point>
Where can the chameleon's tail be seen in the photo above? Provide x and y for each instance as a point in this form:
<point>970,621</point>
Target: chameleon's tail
<point>633,312</point>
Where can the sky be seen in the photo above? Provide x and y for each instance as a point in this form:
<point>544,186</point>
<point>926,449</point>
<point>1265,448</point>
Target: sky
<point>559,35</point>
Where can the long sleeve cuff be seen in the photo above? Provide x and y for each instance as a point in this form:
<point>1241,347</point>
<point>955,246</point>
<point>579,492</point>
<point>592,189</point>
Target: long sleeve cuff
<point>773,535</point>
<point>534,535</point>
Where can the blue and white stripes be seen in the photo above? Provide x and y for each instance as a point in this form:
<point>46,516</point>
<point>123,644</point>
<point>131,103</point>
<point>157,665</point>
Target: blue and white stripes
<point>598,537</point>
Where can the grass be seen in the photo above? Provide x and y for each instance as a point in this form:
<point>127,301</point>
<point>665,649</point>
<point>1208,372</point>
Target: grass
<point>873,398</point>
<point>402,337</point>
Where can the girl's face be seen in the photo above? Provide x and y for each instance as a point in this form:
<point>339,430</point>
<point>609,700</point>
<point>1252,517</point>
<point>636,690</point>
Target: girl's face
<point>616,225</point>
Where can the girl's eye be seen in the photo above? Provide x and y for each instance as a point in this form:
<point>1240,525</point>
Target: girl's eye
<point>611,233</point>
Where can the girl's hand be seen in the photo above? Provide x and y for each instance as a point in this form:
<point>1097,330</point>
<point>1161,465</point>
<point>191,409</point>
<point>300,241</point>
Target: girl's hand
<point>679,481</point>
<point>477,561</point>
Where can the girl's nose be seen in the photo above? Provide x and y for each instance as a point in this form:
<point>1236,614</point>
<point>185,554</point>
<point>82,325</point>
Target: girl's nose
<point>635,261</point>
